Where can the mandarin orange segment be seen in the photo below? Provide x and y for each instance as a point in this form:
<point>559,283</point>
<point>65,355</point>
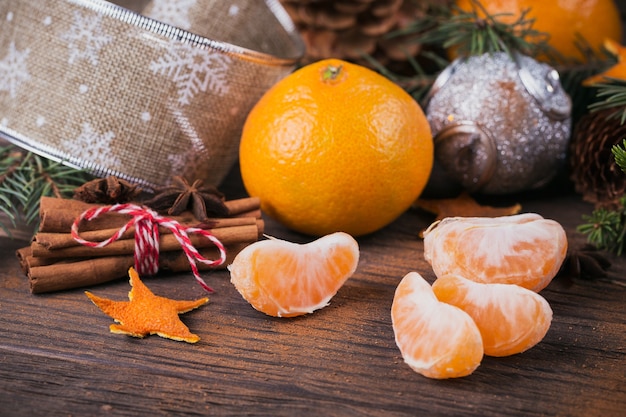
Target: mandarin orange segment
<point>523,249</point>
<point>285,279</point>
<point>511,319</point>
<point>436,340</point>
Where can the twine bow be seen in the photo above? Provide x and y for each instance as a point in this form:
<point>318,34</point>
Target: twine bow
<point>146,223</point>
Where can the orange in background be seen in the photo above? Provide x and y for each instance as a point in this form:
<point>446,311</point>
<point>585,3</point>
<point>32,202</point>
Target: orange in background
<point>563,20</point>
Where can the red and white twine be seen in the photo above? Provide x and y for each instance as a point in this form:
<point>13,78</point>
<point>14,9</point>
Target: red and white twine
<point>146,223</point>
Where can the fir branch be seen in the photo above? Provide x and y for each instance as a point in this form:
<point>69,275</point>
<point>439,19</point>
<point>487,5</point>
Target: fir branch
<point>476,32</point>
<point>465,33</point>
<point>606,228</point>
<point>619,152</point>
<point>612,95</point>
<point>25,178</point>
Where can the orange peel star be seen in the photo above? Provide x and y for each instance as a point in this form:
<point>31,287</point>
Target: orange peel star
<point>147,313</point>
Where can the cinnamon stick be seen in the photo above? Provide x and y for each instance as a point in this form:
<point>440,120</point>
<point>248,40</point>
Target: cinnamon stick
<point>27,260</point>
<point>55,261</point>
<point>57,215</point>
<point>227,235</point>
<point>67,275</point>
<point>242,206</point>
<point>54,241</point>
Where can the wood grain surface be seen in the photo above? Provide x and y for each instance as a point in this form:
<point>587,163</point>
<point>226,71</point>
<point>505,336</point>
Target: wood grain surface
<point>58,358</point>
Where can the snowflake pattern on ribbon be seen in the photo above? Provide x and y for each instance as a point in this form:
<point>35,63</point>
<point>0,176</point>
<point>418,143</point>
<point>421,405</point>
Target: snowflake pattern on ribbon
<point>86,38</point>
<point>13,70</point>
<point>193,70</point>
<point>181,161</point>
<point>174,12</point>
<point>91,145</point>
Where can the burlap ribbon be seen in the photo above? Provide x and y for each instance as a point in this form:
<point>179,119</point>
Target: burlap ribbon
<point>143,96</point>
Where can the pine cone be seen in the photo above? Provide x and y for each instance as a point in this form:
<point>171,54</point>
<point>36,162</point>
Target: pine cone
<point>348,29</point>
<point>594,171</point>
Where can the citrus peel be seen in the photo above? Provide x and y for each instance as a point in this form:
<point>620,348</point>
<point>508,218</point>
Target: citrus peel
<point>462,206</point>
<point>617,71</point>
<point>146,313</point>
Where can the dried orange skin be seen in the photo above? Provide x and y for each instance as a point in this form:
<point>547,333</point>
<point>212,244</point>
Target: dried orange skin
<point>437,340</point>
<point>594,20</point>
<point>285,279</point>
<point>511,319</point>
<point>146,313</point>
<point>326,154</point>
<point>523,249</point>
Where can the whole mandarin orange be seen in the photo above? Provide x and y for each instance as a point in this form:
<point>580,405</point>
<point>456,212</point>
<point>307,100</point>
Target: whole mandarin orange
<point>564,21</point>
<point>335,146</point>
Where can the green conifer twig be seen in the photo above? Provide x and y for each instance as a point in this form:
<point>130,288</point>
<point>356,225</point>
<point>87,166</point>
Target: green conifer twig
<point>606,228</point>
<point>26,177</point>
<point>466,33</point>
<point>612,95</point>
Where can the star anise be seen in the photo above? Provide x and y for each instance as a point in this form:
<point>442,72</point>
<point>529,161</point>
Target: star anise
<point>201,200</point>
<point>109,190</point>
<point>586,262</point>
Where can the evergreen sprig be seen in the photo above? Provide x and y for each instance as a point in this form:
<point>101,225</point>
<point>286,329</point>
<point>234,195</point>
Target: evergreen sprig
<point>26,177</point>
<point>619,152</point>
<point>606,228</point>
<point>470,34</point>
<point>612,95</point>
<point>465,33</point>
<point>477,32</point>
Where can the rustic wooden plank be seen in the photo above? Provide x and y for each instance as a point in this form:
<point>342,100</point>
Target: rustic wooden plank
<point>57,356</point>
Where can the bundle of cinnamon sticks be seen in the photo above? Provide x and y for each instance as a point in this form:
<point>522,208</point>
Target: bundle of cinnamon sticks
<point>55,261</point>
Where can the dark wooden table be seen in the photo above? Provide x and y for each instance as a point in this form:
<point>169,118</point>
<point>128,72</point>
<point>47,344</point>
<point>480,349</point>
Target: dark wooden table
<point>58,358</point>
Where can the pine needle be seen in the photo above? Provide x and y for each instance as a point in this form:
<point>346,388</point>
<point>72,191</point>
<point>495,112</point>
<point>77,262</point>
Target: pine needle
<point>25,178</point>
<point>465,33</point>
<point>606,228</point>
<point>612,95</point>
<point>469,34</point>
<point>619,152</point>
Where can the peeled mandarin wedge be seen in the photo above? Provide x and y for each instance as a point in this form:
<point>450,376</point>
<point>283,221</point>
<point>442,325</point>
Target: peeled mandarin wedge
<point>286,279</point>
<point>511,319</point>
<point>523,249</point>
<point>437,340</point>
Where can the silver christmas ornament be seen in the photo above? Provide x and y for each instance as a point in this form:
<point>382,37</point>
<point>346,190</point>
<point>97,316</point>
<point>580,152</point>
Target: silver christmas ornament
<point>501,124</point>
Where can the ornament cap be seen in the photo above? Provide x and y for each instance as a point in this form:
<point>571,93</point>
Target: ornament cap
<point>468,153</point>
